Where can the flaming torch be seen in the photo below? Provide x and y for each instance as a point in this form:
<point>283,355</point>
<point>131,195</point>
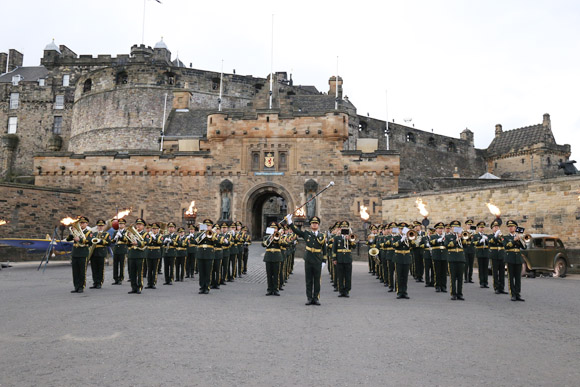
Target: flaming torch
<point>423,211</point>
<point>68,221</point>
<point>3,222</point>
<point>190,214</point>
<point>116,218</point>
<point>363,213</point>
<point>299,216</point>
<point>495,211</point>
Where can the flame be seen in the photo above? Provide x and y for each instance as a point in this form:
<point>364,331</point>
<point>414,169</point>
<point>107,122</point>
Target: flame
<point>68,221</point>
<point>191,210</point>
<point>421,207</point>
<point>493,209</point>
<point>578,197</point>
<point>2,222</point>
<point>363,213</point>
<point>300,212</point>
<point>122,214</point>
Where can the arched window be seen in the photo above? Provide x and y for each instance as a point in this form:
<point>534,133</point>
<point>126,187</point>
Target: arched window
<point>122,78</point>
<point>410,137</point>
<point>451,147</point>
<point>431,142</point>
<point>170,78</point>
<point>362,126</point>
<point>88,85</point>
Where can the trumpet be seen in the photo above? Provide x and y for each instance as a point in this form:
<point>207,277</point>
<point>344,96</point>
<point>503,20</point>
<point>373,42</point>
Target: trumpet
<point>352,238</point>
<point>465,235</point>
<point>412,235</point>
<point>274,237</point>
<point>527,238</point>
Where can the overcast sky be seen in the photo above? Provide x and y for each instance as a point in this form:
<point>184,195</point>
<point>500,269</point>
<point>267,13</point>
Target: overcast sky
<point>445,64</point>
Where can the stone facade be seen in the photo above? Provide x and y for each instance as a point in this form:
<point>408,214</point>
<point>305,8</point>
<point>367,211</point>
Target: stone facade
<point>549,206</point>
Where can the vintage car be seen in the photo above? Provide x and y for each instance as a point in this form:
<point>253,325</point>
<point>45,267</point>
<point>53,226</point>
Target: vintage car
<point>545,253</point>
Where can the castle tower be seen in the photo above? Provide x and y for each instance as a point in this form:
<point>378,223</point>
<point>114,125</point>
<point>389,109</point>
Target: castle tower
<point>467,135</point>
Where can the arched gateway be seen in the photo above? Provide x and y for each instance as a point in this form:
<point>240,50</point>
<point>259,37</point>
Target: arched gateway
<point>264,203</point>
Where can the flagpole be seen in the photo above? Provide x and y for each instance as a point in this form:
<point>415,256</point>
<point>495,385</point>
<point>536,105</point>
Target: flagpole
<point>387,118</point>
<point>336,86</point>
<point>221,82</point>
<point>272,63</point>
<point>143,26</point>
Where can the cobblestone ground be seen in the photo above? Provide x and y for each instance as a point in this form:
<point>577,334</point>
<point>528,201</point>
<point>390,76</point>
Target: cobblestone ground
<point>236,336</point>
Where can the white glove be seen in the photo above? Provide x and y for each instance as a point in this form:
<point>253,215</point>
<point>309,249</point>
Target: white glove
<point>440,240</point>
<point>484,238</point>
<point>497,233</point>
<point>404,238</point>
<point>167,240</point>
<point>289,218</point>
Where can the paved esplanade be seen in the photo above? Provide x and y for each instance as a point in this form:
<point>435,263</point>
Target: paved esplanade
<point>237,336</point>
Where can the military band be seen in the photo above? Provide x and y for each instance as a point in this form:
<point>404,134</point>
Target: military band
<point>120,249</point>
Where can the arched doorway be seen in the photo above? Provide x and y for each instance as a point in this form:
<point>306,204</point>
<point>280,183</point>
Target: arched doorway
<point>263,204</point>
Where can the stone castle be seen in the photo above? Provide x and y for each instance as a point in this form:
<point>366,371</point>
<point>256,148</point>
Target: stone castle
<point>145,131</point>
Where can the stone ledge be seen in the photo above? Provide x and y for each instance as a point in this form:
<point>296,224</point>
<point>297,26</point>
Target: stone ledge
<point>39,188</point>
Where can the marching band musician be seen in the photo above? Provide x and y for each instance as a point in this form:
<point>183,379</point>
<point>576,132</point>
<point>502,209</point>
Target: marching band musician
<point>496,252</point>
<point>153,255</point>
<point>393,230</point>
<point>377,258</point>
<point>418,252</point>
<point>136,257</point>
<point>240,248</point>
<point>99,254</point>
<point>247,241</point>
<point>180,255</point>
<point>80,254</point>
<point>481,243</point>
<point>513,244</point>
<point>216,267</point>
<point>402,259</point>
<point>191,249</point>
<point>313,259</point>
<point>469,250</point>
<point>284,251</point>
<point>234,256</point>
<point>330,255</point>
<point>428,262</point>
<point>206,242</point>
<point>382,246</point>
<point>120,249</point>
<point>170,242</point>
<point>439,257</point>
<point>342,258</point>
<point>272,258</point>
<point>226,251</point>
<point>456,260</point>
<point>371,244</point>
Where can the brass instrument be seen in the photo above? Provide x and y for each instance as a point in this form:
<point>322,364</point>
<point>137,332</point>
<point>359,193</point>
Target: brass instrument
<point>373,252</point>
<point>96,241</point>
<point>76,230</point>
<point>352,238</point>
<point>527,238</point>
<point>273,237</point>
<point>133,236</point>
<point>412,235</point>
<point>465,235</point>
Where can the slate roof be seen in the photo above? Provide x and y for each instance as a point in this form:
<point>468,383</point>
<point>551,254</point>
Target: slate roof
<point>518,139</point>
<point>191,123</point>
<point>316,103</point>
<point>28,74</point>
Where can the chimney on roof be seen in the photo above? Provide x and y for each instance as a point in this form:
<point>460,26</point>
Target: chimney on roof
<point>498,130</point>
<point>15,59</point>
<point>3,62</point>
<point>547,123</point>
<point>332,83</point>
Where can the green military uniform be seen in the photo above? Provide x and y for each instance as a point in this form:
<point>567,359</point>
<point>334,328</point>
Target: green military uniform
<point>206,242</point>
<point>481,243</point>
<point>80,255</point>
<point>439,257</point>
<point>496,254</point>
<point>469,250</point>
<point>170,243</point>
<point>382,243</point>
<point>371,243</point>
<point>427,262</point>
<point>226,252</point>
<point>99,255</point>
<point>272,258</point>
<point>402,260</point>
<point>247,241</point>
<point>284,251</point>
<point>456,262</point>
<point>153,256</point>
<point>120,249</point>
<point>239,245</point>
<point>191,249</point>
<point>136,257</point>
<point>514,261</point>
<point>234,258</point>
<point>342,256</point>
<point>388,243</point>
<point>313,259</point>
<point>180,255</point>
<point>417,252</point>
<point>221,242</point>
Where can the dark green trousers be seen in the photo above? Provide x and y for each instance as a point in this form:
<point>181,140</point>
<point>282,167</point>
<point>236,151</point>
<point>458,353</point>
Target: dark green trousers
<point>119,267</point>
<point>272,275</point>
<point>232,266</point>
<point>344,274</point>
<point>180,267</point>
<point>136,273</point>
<point>79,272</point>
<point>391,274</point>
<point>152,264</point>
<point>190,265</point>
<point>402,270</point>
<point>429,274</point>
<point>216,272</point>
<point>456,270</point>
<point>313,272</point>
<point>168,269</point>
<point>515,278</point>
<point>498,270</point>
<point>482,264</point>
<point>440,269</point>
<point>224,268</point>
<point>204,268</point>
<point>418,262</point>
<point>98,270</point>
<point>469,258</point>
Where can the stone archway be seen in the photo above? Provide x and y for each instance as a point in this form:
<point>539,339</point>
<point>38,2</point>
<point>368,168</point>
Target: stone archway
<point>254,202</point>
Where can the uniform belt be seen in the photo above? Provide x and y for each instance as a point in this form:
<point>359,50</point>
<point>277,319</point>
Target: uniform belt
<point>438,247</point>
<point>496,248</point>
<point>206,246</point>
<point>311,249</point>
<point>402,251</point>
<point>513,250</point>
<point>343,251</point>
<point>137,248</point>
<point>390,248</point>
<point>96,246</point>
<point>383,249</point>
<point>80,245</point>
<point>455,250</point>
<point>273,250</point>
<point>217,248</point>
<point>121,243</point>
<point>153,247</point>
<point>181,248</point>
<point>481,247</point>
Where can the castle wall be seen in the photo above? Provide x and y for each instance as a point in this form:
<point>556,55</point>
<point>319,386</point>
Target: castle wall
<point>531,164</point>
<point>548,206</point>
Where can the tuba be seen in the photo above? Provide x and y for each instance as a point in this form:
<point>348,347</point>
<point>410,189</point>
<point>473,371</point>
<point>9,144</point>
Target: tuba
<point>76,230</point>
<point>133,236</point>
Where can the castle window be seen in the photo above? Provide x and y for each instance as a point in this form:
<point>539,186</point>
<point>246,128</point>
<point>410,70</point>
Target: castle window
<point>41,82</point>
<point>12,125</point>
<point>255,161</point>
<point>59,102</point>
<point>451,147</point>
<point>495,165</point>
<point>66,80</point>
<point>283,161</point>
<point>431,142</point>
<point>122,78</point>
<point>57,125</point>
<point>548,161</point>
<point>170,78</point>
<point>215,83</point>
<point>362,126</point>
<point>87,86</point>
<point>16,79</point>
<point>410,137</point>
<point>14,99</point>
<point>523,161</point>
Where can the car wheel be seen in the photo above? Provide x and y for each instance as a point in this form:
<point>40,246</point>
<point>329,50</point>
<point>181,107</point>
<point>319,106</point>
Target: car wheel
<point>560,268</point>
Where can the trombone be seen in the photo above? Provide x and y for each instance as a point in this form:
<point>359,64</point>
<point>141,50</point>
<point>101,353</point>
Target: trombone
<point>273,237</point>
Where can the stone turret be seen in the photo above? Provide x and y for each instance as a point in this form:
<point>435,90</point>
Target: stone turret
<point>467,135</point>
<point>546,123</point>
